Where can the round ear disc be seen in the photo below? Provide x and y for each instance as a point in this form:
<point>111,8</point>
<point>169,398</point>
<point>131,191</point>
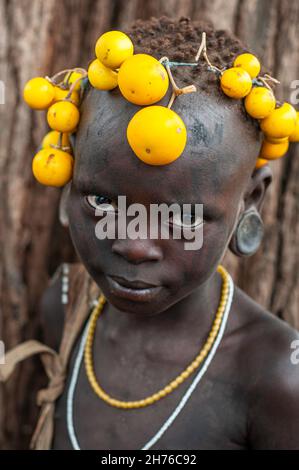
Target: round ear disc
<point>249,233</point>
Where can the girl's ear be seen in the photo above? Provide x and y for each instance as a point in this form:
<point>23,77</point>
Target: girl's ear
<point>73,142</point>
<point>249,230</point>
<point>259,182</point>
<point>63,215</point>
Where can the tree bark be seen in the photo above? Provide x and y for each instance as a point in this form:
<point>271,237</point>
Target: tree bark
<point>40,38</point>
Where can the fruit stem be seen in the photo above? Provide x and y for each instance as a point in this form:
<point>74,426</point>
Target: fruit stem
<point>166,65</point>
<point>202,47</point>
<point>171,101</point>
<point>180,91</point>
<point>84,74</point>
<point>176,91</point>
<point>58,147</point>
<point>271,79</point>
<point>64,72</point>
<point>203,50</point>
<point>262,79</point>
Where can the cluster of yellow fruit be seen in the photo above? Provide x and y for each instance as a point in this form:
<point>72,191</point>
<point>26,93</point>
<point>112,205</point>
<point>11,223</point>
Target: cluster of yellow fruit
<point>53,164</point>
<point>280,124</point>
<point>156,134</point>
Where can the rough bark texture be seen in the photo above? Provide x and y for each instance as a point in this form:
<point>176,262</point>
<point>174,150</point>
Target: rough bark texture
<point>39,38</point>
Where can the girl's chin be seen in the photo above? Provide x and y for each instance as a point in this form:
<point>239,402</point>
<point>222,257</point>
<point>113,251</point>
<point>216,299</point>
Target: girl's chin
<point>134,303</point>
<point>146,301</point>
<point>131,293</point>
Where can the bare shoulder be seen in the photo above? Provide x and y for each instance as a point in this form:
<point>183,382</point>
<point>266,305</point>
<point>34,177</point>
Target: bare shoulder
<point>264,333</point>
<point>269,350</point>
<point>52,311</point>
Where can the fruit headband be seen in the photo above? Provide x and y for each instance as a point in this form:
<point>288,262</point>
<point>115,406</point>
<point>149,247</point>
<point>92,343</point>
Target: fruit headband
<point>156,134</point>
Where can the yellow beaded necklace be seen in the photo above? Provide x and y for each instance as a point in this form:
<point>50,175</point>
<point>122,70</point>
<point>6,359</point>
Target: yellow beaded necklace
<point>88,360</point>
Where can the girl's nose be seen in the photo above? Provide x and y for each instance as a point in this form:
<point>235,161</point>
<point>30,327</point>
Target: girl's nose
<point>137,251</point>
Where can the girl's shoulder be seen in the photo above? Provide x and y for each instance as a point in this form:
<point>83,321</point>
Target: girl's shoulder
<point>261,336</point>
<point>261,351</point>
<point>259,323</point>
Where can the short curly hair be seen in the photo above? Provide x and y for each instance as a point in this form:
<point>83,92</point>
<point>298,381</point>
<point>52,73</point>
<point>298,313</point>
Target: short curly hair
<point>179,40</point>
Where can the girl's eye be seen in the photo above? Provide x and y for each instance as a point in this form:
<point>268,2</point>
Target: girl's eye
<point>186,220</point>
<point>102,203</point>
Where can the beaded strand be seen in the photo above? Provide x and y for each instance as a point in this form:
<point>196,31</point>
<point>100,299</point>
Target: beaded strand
<point>88,359</point>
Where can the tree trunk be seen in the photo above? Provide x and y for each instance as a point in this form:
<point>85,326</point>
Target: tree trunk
<point>40,38</point>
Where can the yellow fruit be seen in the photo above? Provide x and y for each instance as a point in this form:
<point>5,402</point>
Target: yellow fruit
<point>61,94</point>
<point>294,137</point>
<point>275,140</point>
<point>281,122</point>
<point>142,79</point>
<point>236,82</point>
<point>71,77</point>
<point>260,102</point>
<point>52,138</point>
<point>260,162</point>
<point>248,62</point>
<point>157,135</point>
<point>101,77</point>
<point>63,116</point>
<point>272,151</point>
<point>39,93</point>
<point>113,48</point>
<point>52,167</point>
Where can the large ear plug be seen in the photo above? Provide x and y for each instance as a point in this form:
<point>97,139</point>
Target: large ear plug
<point>248,234</point>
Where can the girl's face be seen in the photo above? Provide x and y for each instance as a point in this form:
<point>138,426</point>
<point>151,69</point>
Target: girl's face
<point>148,276</point>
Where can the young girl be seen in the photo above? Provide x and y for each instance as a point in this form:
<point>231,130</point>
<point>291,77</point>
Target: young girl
<point>172,355</point>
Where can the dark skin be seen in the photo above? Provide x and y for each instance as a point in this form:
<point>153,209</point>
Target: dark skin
<point>248,397</point>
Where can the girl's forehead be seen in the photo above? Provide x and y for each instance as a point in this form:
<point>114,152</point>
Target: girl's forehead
<point>209,120</point>
<point>220,145</point>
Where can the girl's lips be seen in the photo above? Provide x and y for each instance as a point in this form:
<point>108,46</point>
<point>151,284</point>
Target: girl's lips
<point>137,291</point>
<point>132,284</point>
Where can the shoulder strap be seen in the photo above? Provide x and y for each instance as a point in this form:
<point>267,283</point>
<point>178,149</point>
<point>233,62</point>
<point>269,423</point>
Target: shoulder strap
<point>82,290</point>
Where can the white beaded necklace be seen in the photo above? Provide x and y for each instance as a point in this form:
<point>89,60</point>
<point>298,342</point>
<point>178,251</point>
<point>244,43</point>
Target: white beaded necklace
<point>184,399</point>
